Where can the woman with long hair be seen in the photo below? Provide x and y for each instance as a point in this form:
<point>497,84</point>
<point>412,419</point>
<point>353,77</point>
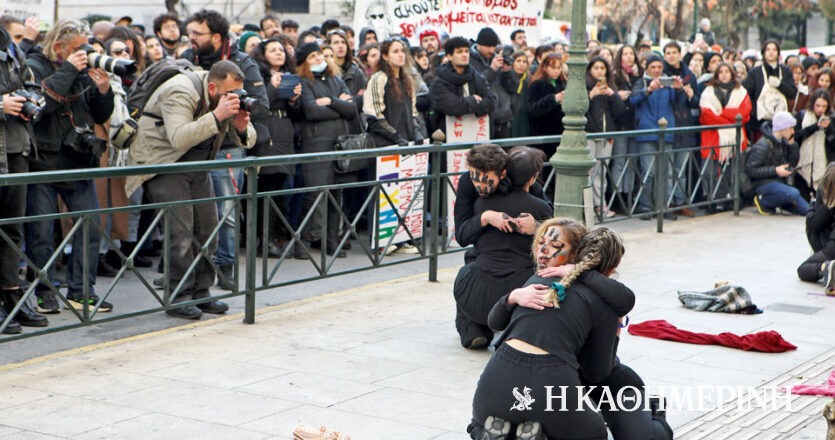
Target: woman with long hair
<point>605,106</point>
<point>516,81</point>
<point>135,44</point>
<point>343,58</point>
<point>545,95</point>
<point>369,56</point>
<point>626,72</point>
<point>801,99</point>
<point>825,79</point>
<point>816,137</point>
<point>328,108</point>
<point>154,48</point>
<point>820,231</point>
<point>284,113</point>
<point>722,100</point>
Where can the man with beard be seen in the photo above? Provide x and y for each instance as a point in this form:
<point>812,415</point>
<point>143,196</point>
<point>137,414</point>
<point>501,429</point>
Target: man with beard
<point>429,40</point>
<point>186,119</point>
<point>270,27</point>
<point>167,29</point>
<point>208,32</point>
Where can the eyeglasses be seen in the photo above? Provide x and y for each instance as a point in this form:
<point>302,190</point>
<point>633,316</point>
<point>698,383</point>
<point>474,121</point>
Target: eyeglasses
<point>196,33</point>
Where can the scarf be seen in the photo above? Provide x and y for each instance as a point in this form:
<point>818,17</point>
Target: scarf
<point>522,83</point>
<point>812,162</point>
<point>629,70</point>
<point>711,101</point>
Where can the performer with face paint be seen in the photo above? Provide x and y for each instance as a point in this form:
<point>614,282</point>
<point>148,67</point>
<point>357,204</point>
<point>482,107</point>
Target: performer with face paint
<point>503,255</point>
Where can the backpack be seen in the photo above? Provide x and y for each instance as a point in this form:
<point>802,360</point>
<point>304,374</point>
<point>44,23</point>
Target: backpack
<point>145,86</point>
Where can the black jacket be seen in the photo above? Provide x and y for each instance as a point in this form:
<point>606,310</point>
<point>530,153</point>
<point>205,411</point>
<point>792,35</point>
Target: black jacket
<point>16,135</point>
<point>65,89</point>
<point>279,122</point>
<point>626,121</point>
<point>545,112</point>
<point>766,155</point>
<point>755,82</point>
<point>820,227</point>
<point>323,124</point>
<point>686,113</point>
<point>448,92</point>
<point>603,111</point>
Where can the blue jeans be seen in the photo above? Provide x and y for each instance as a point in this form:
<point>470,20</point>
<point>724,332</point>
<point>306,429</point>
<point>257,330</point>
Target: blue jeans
<point>42,199</point>
<point>647,166</point>
<point>224,185</point>
<point>774,194</point>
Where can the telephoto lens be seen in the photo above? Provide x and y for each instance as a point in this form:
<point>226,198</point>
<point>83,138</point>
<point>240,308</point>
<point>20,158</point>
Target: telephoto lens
<point>107,63</point>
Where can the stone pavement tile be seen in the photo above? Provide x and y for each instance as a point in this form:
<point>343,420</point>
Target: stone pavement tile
<point>66,416</point>
<point>336,364</point>
<point>452,436</point>
<point>234,345</point>
<point>7,430</point>
<point>459,386</point>
<point>13,392</point>
<point>816,430</point>
<point>204,403</point>
<point>410,407</point>
<point>684,373</point>
<point>674,351</point>
<point>310,389</point>
<point>218,373</point>
<point>440,332</point>
<point>163,427</point>
<point>453,358</point>
<point>767,364</point>
<point>99,384</point>
<point>329,336</point>
<point>360,427</point>
<point>30,435</point>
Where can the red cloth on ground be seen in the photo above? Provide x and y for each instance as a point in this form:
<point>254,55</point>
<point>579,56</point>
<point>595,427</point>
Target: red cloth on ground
<point>768,342</point>
<point>817,390</point>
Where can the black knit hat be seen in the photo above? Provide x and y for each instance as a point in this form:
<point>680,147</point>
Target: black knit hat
<point>304,50</point>
<point>809,61</point>
<point>653,58</point>
<point>487,37</point>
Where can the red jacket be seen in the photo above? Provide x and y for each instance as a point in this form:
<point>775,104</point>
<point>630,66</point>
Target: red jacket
<point>710,138</point>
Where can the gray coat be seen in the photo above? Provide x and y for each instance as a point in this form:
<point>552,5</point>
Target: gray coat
<point>15,134</point>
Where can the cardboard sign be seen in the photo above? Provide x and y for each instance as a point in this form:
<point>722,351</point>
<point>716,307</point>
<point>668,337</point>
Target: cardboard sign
<point>467,128</point>
<point>23,9</point>
<point>401,194</point>
<point>457,17</point>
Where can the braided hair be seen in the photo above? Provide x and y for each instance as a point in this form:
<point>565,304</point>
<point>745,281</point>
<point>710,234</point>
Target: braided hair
<point>600,249</point>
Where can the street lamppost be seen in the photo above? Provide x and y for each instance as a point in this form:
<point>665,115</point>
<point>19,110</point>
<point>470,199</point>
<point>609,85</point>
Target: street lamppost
<point>573,160</point>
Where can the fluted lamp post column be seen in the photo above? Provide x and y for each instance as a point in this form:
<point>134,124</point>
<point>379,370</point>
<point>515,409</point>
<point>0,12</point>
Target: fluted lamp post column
<point>573,160</point>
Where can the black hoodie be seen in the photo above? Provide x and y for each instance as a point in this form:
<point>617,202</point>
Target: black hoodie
<point>766,155</point>
<point>448,92</point>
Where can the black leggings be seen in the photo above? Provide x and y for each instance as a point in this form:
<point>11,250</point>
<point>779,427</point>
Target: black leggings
<point>627,425</point>
<point>810,270</point>
<point>510,369</point>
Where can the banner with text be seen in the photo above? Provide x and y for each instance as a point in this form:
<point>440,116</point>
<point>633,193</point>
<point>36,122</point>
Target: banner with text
<point>467,128</point>
<point>23,9</point>
<point>457,17</point>
<point>401,195</point>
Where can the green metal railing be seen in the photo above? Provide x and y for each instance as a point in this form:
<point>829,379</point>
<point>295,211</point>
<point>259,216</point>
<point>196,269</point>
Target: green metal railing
<point>436,241</point>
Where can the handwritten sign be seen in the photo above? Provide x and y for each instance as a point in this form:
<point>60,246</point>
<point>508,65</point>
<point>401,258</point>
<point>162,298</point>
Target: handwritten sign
<point>401,195</point>
<point>457,17</point>
<point>23,9</point>
<point>467,128</point>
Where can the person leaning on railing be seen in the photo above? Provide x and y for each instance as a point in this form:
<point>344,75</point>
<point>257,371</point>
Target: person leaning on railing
<point>182,124</point>
<point>77,98</point>
<point>16,143</point>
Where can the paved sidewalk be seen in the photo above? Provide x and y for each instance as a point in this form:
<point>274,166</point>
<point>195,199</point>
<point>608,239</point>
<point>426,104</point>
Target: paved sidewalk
<point>384,362</point>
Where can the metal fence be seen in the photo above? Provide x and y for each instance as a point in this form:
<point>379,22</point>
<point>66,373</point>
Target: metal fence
<point>436,241</point>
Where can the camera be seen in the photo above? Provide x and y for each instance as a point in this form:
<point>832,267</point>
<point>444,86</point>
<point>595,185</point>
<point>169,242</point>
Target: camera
<point>83,140</point>
<point>666,81</point>
<point>107,63</point>
<point>31,111</point>
<point>247,103</point>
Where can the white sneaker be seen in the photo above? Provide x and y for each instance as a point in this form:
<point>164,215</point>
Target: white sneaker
<point>407,248</point>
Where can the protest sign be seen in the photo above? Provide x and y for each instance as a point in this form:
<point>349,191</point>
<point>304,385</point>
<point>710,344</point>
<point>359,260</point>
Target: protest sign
<point>467,128</point>
<point>401,194</point>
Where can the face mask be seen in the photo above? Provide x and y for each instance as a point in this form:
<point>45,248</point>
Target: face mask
<point>319,68</point>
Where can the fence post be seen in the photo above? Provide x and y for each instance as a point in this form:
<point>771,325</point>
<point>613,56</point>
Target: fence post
<point>661,175</point>
<point>737,165</point>
<point>251,243</point>
<point>434,213</point>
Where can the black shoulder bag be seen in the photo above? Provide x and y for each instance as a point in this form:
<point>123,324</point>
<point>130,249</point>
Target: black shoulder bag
<point>352,142</point>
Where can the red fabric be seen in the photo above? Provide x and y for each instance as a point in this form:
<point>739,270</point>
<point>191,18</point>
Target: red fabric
<point>768,342</point>
<point>817,390</point>
<point>710,138</point>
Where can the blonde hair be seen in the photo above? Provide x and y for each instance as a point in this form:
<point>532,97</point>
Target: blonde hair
<point>600,249</point>
<point>572,232</point>
<point>62,31</point>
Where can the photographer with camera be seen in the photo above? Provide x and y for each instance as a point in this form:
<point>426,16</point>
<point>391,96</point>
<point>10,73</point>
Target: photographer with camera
<point>77,97</point>
<point>208,32</point>
<point>182,124</point>
<point>21,102</point>
<point>487,57</point>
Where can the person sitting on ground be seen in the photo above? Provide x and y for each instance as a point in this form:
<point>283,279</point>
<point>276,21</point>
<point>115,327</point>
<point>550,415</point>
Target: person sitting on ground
<point>820,231</point>
<point>771,161</point>
<point>503,260</point>
<point>560,326</point>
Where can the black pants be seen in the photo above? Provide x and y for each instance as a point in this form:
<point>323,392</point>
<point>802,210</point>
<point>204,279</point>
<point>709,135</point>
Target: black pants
<point>12,204</point>
<point>626,425</point>
<point>810,270</point>
<point>199,219</point>
<point>508,370</point>
<point>276,228</point>
<point>475,294</point>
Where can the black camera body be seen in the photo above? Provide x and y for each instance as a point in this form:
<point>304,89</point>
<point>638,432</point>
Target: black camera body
<point>84,141</point>
<point>107,63</point>
<point>247,103</point>
<point>31,111</point>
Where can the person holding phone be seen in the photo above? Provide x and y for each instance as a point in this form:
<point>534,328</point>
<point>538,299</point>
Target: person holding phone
<point>605,105</point>
<point>278,69</point>
<point>816,137</point>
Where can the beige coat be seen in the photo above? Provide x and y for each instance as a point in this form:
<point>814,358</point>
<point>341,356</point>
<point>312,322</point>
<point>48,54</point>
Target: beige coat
<point>177,102</point>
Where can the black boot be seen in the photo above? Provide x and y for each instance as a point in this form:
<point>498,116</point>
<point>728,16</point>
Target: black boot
<point>25,316</point>
<point>227,281</point>
<point>138,260</point>
<point>13,328</point>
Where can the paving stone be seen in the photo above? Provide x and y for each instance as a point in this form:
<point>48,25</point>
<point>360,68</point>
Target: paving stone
<point>65,415</point>
<point>164,427</point>
<point>306,388</point>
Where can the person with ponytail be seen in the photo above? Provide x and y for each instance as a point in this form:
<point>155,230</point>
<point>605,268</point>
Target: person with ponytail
<point>503,251</point>
<point>552,328</point>
<point>820,231</point>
